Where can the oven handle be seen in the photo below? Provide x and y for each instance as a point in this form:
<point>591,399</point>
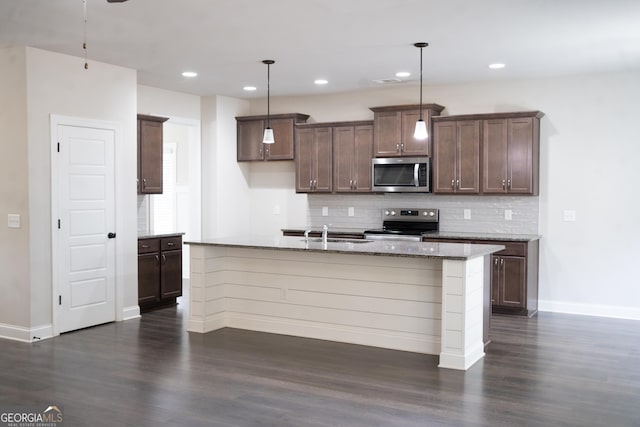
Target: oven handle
<point>416,169</point>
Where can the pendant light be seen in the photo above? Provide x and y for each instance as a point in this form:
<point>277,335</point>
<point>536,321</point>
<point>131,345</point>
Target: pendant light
<point>421,126</point>
<point>268,132</point>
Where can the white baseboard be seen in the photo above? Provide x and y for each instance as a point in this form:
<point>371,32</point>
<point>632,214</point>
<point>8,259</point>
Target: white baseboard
<point>460,362</point>
<point>19,333</point>
<point>132,312</point>
<point>211,324</point>
<point>631,313</point>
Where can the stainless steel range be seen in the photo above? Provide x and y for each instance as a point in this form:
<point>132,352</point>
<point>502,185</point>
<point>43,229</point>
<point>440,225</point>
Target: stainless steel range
<point>405,224</point>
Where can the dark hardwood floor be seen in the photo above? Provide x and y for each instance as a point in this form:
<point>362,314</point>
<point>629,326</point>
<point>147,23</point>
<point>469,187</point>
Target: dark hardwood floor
<point>552,370</point>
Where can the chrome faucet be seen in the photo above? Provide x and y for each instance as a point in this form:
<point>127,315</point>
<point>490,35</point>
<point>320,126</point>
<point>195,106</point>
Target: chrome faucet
<point>306,234</point>
<point>325,233</point>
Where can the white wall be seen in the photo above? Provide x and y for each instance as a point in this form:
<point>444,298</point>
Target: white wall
<point>589,151</point>
<point>58,84</point>
<point>14,192</point>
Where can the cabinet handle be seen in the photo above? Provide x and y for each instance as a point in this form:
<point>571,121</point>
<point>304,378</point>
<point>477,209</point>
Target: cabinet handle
<point>397,148</point>
<point>355,184</point>
<point>260,151</point>
<point>157,258</point>
<point>145,246</point>
<point>315,184</point>
<point>164,258</point>
<point>504,187</point>
<point>144,182</point>
<point>495,261</point>
<point>402,147</point>
<point>501,261</point>
<point>453,184</point>
<point>458,184</point>
<point>509,184</point>
<point>170,244</point>
<point>267,152</point>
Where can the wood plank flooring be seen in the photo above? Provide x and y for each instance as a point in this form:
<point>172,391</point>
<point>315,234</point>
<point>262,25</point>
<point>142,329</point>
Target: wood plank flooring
<point>552,370</point>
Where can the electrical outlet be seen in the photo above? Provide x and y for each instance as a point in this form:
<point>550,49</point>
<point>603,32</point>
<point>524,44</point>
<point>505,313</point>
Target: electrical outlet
<point>351,211</point>
<point>467,214</point>
<point>508,214</point>
<point>325,211</point>
<point>276,210</point>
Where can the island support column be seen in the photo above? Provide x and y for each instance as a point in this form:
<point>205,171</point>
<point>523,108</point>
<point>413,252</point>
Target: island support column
<point>462,342</point>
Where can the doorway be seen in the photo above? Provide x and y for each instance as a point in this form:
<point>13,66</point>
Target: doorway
<point>83,232</point>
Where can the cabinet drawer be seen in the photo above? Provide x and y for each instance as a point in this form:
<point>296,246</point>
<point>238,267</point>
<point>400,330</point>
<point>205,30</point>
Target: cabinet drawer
<point>171,243</point>
<point>146,246</point>
<point>511,248</point>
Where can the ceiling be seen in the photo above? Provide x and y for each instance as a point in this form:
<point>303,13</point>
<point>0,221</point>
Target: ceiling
<point>351,43</point>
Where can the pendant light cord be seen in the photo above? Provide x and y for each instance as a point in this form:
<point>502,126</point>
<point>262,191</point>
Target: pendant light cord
<point>84,33</point>
<point>421,82</point>
<point>268,95</point>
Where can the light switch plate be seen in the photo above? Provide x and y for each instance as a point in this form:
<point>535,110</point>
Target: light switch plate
<point>276,210</point>
<point>569,215</point>
<point>467,214</point>
<point>351,211</point>
<point>508,214</point>
<point>13,221</point>
<point>325,211</point>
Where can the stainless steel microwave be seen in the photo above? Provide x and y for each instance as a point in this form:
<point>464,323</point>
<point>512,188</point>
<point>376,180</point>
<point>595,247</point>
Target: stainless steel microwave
<point>400,175</point>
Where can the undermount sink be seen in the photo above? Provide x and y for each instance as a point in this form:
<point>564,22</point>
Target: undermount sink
<point>334,240</point>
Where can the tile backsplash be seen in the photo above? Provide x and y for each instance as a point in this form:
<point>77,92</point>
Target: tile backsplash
<point>487,213</point>
<point>143,214</point>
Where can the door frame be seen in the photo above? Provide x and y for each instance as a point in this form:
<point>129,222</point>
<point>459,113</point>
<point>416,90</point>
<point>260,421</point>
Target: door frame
<point>55,121</point>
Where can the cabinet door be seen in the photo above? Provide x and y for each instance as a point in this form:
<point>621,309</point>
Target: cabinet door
<point>444,157</point>
<point>323,160</point>
<point>520,156</point>
<point>494,156</point>
<point>363,153</point>
<point>304,160</point>
<point>249,140</point>
<point>171,274</point>
<point>282,149</point>
<point>148,278</point>
<point>343,158</point>
<point>388,133</point>
<point>514,281</point>
<point>409,145</point>
<point>468,161</point>
<point>150,157</point>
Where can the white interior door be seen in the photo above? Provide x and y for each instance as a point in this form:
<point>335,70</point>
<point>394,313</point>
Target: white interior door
<point>86,212</point>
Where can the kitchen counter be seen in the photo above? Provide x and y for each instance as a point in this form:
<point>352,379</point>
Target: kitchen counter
<point>155,236</point>
<point>431,298</point>
<point>359,232</point>
<point>455,251</point>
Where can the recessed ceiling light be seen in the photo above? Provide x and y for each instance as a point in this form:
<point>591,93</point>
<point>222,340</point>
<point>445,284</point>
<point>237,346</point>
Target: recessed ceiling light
<point>321,81</point>
<point>249,88</point>
<point>403,74</point>
<point>496,66</point>
<point>189,74</point>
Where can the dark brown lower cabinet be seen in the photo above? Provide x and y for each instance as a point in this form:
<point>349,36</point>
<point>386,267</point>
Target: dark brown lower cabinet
<point>159,271</point>
<point>514,275</point>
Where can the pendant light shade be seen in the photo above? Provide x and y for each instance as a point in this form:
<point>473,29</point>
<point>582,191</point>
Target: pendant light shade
<point>268,132</point>
<point>421,126</point>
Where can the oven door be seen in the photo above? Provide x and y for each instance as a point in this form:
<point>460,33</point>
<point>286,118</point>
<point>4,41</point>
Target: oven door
<point>400,174</point>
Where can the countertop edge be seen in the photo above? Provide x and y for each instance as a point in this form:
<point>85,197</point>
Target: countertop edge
<point>157,236</point>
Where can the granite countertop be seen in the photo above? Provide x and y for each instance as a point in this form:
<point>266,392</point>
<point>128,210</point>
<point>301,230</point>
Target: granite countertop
<point>455,251</point>
<point>436,235</point>
<point>154,236</point>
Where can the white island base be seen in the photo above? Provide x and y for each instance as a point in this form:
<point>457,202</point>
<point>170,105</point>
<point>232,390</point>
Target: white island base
<point>418,304</point>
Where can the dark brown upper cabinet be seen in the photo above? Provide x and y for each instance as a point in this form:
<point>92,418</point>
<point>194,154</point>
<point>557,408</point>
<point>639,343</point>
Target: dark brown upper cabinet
<point>456,156</point>
<point>314,165</point>
<point>150,154</point>
<point>394,127</point>
<point>250,131</point>
<point>511,153</point>
<point>352,154</point>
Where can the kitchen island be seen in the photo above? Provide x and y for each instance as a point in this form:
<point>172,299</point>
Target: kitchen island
<point>423,297</point>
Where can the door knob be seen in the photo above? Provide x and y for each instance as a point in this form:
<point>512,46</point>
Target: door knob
<point>111,235</point>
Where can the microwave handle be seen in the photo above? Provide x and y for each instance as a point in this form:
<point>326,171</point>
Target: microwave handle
<point>416,178</point>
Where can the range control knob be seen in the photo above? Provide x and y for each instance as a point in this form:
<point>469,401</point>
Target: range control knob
<point>386,213</point>
<point>432,213</point>
<point>393,213</point>
<point>425,213</point>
